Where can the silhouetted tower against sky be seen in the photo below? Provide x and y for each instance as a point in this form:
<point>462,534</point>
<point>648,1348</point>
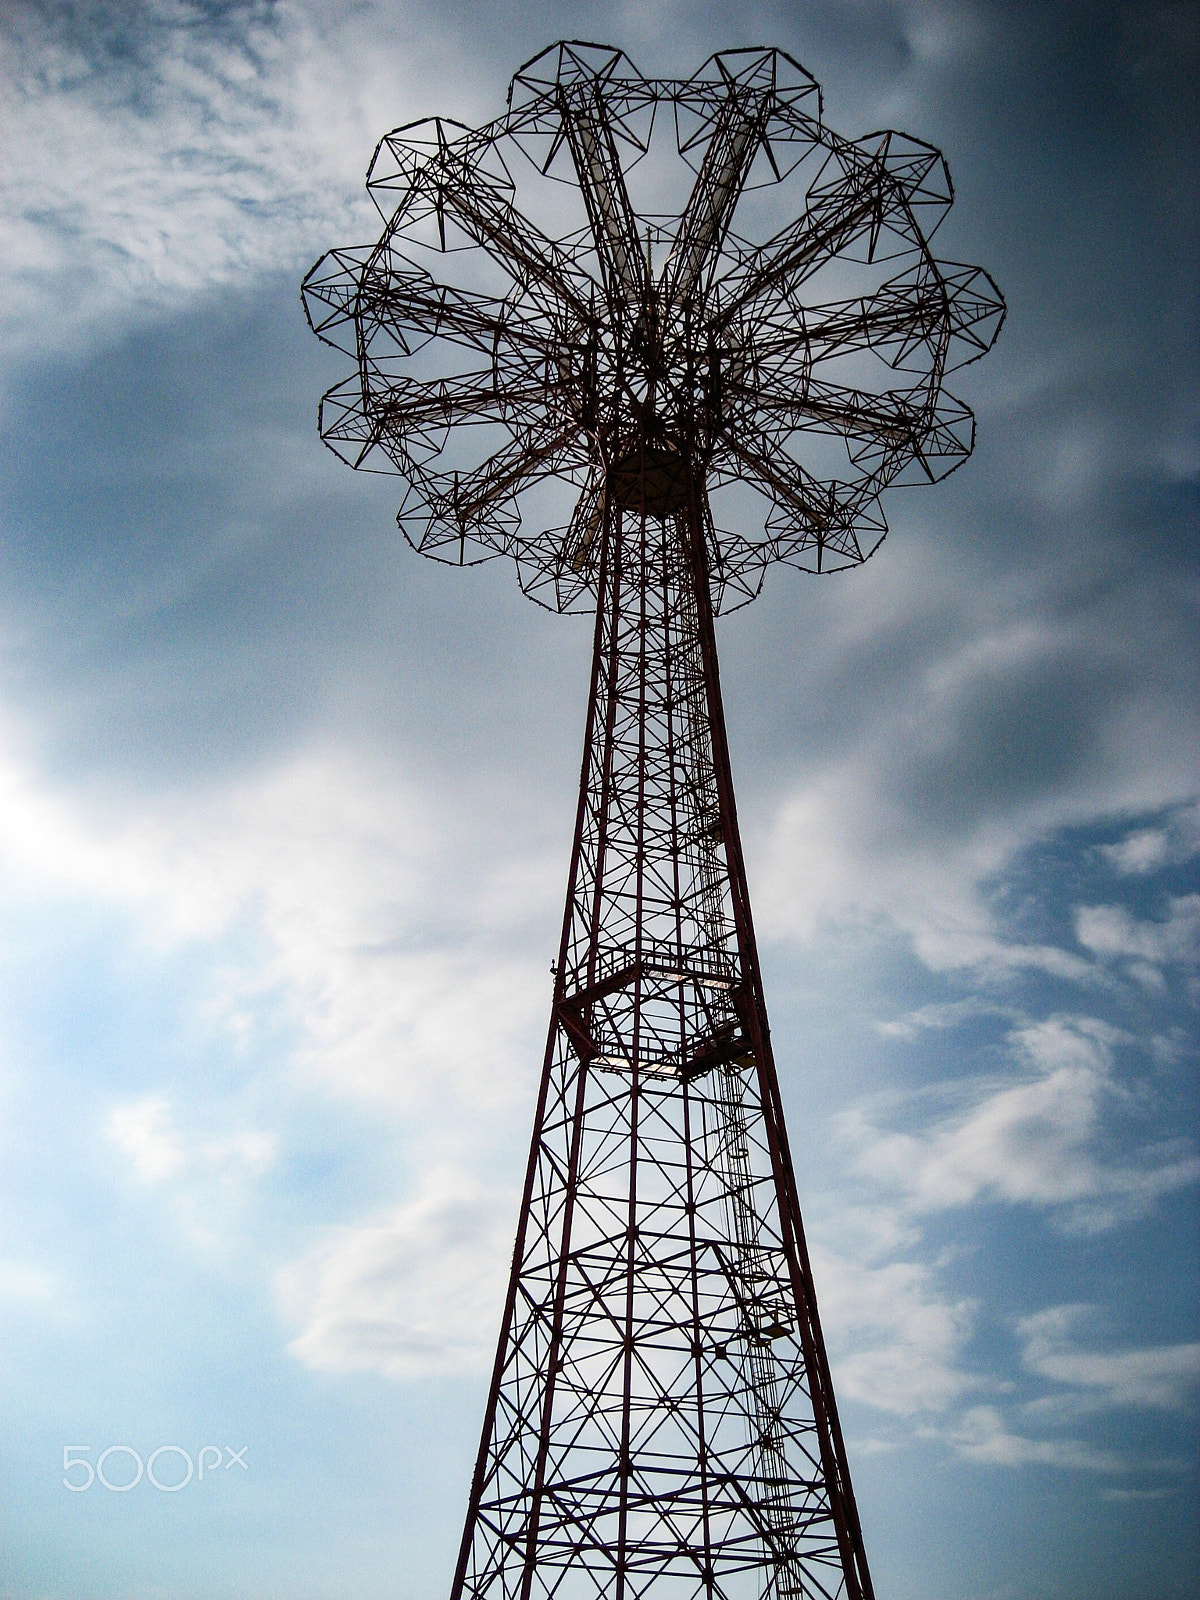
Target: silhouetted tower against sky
<point>661,1417</point>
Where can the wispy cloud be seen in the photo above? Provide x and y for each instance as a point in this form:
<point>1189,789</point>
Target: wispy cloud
<point>1144,850</point>
<point>156,152</point>
<point>1049,1133</point>
<point>1161,1377</point>
<point>203,1180</point>
<point>145,1134</point>
<point>303,869</point>
<point>1138,852</point>
<point>1086,1381</point>
<point>905,1338</point>
<point>984,1437</point>
<point>941,1015</point>
<point>1146,947</point>
<point>1040,1140</point>
<point>412,1292</point>
<point>1000,723</point>
<point>1122,1494</point>
<point>24,1284</point>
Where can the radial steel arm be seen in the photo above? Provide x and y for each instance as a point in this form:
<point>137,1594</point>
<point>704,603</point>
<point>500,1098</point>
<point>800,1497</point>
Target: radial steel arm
<point>589,135</point>
<point>737,133</point>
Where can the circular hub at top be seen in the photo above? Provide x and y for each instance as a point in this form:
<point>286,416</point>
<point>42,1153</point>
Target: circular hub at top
<point>650,479</point>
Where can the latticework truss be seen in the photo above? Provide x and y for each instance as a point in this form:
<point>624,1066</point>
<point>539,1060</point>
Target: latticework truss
<point>661,1416</point>
<point>804,362</point>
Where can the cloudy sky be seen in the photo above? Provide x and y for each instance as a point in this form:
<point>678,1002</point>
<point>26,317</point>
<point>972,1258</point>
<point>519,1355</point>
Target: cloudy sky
<point>284,814</point>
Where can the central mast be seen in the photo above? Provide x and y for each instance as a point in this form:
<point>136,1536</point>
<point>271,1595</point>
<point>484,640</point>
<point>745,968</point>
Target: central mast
<point>660,1406</point>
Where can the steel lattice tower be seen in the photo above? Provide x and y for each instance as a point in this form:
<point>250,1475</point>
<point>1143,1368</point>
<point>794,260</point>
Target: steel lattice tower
<point>661,1415</point>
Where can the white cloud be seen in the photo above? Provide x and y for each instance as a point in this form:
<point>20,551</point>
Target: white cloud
<point>1157,1376</point>
<point>145,1133</point>
<point>1040,1141</point>
<point>348,882</point>
<point>1143,850</point>
<point>1041,1136</point>
<point>1111,933</point>
<point>939,1015</point>
<point>1139,852</point>
<point>419,1028</point>
<point>155,155</point>
<point>1076,463</point>
<point>413,1292</point>
<point>990,725</point>
<point>898,1341</point>
<point>983,1437</point>
<point>204,1182</point>
<point>1120,1495</point>
<point>842,854</point>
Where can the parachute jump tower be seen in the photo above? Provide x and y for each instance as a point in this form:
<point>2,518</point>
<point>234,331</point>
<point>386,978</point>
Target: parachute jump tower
<point>661,1420</point>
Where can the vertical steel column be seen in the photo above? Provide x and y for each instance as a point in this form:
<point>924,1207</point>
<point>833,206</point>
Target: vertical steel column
<point>503,1344</point>
<point>833,1449</point>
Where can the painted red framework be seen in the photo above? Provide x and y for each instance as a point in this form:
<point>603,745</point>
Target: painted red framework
<point>661,1414</point>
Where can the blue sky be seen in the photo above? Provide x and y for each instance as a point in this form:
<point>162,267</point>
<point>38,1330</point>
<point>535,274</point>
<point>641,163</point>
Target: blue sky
<point>284,814</point>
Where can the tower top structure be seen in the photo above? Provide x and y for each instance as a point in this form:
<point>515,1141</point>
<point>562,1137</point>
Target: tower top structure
<point>627,285</point>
